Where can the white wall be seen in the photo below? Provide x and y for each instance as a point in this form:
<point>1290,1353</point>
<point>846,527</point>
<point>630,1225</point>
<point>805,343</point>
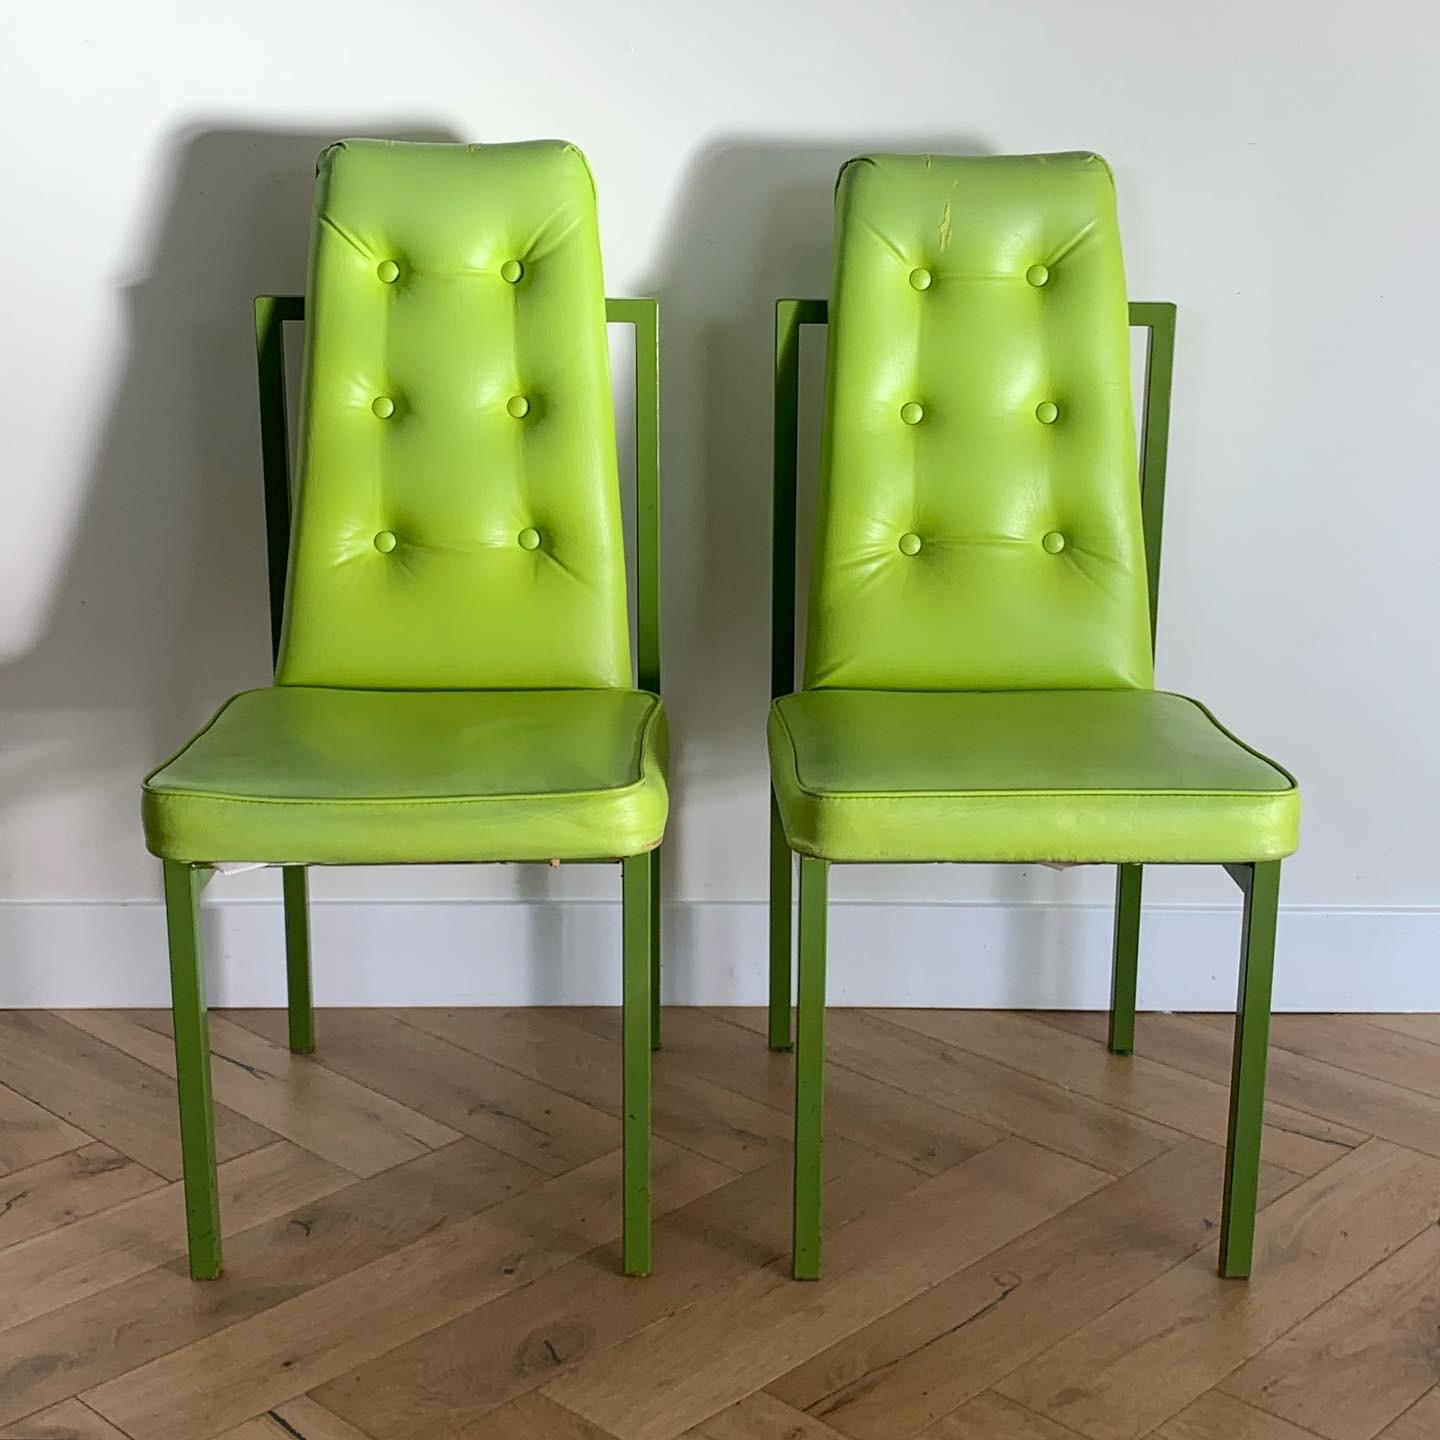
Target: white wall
<point>1276,179</point>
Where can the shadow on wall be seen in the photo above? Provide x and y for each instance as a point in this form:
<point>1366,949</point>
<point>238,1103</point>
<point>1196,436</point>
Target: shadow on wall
<point>753,223</point>
<point>160,608</point>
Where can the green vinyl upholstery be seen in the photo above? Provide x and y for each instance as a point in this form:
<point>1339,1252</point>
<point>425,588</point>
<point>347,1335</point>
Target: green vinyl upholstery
<point>453,680</point>
<point>303,775</point>
<point>458,510</point>
<point>978,681</point>
<point>979,523</point>
<point>453,674</point>
<point>1023,775</point>
<point>979,530</point>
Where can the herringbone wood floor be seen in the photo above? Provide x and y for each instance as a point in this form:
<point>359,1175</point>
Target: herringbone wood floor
<point>421,1233</point>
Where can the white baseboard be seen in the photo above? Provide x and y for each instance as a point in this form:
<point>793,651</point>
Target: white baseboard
<point>65,954</point>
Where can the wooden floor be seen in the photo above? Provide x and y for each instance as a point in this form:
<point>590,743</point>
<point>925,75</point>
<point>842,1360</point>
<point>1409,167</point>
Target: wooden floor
<point>421,1233</point>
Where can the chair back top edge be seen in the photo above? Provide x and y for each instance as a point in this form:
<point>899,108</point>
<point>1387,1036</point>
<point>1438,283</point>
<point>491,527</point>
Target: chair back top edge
<point>456,518</point>
<point>978,522</point>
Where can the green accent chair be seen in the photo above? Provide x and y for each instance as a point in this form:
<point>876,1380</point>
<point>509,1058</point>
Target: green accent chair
<point>453,676</point>
<point>978,682</point>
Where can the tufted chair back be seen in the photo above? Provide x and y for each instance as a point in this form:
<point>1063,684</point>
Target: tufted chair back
<point>457,511</point>
<point>979,518</point>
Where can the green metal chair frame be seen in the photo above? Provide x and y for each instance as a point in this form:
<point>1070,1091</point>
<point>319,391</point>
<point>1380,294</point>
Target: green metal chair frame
<point>1259,883</point>
<point>640,881</point>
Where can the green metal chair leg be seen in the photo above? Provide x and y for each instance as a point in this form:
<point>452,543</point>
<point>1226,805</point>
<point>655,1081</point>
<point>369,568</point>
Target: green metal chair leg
<point>1128,880</point>
<point>782,872</point>
<point>1261,886</point>
<point>183,884</point>
<point>654,858</point>
<point>636,883</point>
<point>810,1067</point>
<point>296,887</point>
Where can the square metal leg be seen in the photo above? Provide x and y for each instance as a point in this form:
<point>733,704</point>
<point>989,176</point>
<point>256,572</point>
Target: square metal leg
<point>192,1068</point>
<point>654,858</point>
<point>1123,976</point>
<point>295,884</point>
<point>1261,885</point>
<point>782,874</point>
<point>810,1067</point>
<point>636,886</point>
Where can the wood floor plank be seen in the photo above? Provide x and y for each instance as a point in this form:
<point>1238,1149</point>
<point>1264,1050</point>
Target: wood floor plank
<point>511,1112</point>
<point>1421,1027</point>
<point>1420,1422</point>
<point>1361,1359</point>
<point>129,1325</point>
<point>313,1421</point>
<point>291,1095</point>
<point>454,1375</point>
<point>708,1358</point>
<point>1201,1044</point>
<point>893,1378</point>
<point>762,1417</point>
<point>63,1266</point>
<point>1390,1111</point>
<point>301,1419</point>
<point>1145,1359</point>
<point>29,1133</point>
<point>1170,1097</point>
<point>889,1121</point>
<point>1353,1043</point>
<point>70,1420</point>
<point>1020,1104</point>
<point>1216,1416</point>
<point>978,1286</point>
<point>298,1345</point>
<point>532,1417</point>
<point>107,1094</point>
<point>991,1417</point>
<point>67,1188</point>
<point>549,1047</point>
<point>1209,1060</point>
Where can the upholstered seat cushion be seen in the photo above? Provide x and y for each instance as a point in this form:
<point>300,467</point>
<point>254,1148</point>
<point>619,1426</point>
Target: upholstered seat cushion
<point>300,774</point>
<point>1081,775</point>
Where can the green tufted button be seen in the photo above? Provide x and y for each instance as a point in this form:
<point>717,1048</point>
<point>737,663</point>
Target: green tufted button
<point>529,539</point>
<point>1037,275</point>
<point>512,270</point>
<point>385,542</point>
<point>518,406</point>
<point>920,279</point>
<point>1047,412</point>
<point>1054,542</point>
<point>912,413</point>
<point>388,271</point>
<point>383,406</point>
<point>910,543</point>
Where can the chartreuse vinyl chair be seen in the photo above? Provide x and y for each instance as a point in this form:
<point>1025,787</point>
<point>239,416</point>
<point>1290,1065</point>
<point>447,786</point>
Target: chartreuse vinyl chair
<point>978,682</point>
<point>453,674</point>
